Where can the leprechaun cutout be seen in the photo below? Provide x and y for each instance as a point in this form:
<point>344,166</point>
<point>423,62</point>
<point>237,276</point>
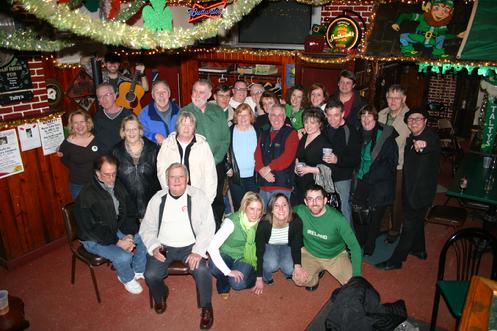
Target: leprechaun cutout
<point>432,28</point>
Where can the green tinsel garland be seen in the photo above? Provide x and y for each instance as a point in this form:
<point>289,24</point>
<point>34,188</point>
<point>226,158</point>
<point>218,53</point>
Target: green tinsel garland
<point>131,9</point>
<point>30,41</point>
<point>120,34</point>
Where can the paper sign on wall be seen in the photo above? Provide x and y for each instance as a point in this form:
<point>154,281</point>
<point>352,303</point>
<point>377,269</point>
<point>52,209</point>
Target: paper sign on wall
<point>10,156</point>
<point>29,136</point>
<point>52,135</point>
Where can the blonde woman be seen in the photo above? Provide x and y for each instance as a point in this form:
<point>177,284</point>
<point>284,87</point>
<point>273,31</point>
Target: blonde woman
<point>79,150</point>
<point>233,249</point>
<point>137,158</point>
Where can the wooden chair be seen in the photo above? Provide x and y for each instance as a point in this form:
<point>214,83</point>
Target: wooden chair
<point>78,251</point>
<point>450,147</point>
<point>175,268</point>
<point>467,246</point>
<point>447,215</point>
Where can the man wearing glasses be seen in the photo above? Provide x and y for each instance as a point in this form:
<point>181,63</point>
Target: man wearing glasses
<point>107,121</point>
<point>240,90</point>
<point>393,115</point>
<point>326,234</point>
<point>419,185</point>
<point>107,221</point>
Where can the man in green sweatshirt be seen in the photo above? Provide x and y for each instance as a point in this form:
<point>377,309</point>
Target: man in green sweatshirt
<point>326,233</point>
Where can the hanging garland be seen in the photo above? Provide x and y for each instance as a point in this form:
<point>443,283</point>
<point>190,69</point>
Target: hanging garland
<point>121,34</point>
<point>15,123</point>
<point>30,41</point>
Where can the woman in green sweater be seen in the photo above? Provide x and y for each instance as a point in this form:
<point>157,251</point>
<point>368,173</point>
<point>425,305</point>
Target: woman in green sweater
<point>233,249</point>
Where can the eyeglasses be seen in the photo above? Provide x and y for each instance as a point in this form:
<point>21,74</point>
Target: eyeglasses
<point>415,119</point>
<point>255,92</point>
<point>316,199</point>
<point>106,95</point>
<point>240,88</point>
<point>394,98</point>
<point>109,175</point>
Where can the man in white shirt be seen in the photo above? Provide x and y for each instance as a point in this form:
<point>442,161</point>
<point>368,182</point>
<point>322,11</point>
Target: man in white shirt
<point>239,90</point>
<point>179,226</point>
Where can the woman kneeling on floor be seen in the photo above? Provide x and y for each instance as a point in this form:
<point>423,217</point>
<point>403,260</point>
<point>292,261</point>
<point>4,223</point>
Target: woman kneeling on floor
<point>233,250</point>
<point>278,242</point>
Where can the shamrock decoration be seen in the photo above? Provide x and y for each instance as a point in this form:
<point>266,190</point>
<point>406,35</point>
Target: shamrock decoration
<point>157,17</point>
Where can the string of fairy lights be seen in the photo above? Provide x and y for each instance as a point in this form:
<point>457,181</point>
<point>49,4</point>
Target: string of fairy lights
<point>15,123</point>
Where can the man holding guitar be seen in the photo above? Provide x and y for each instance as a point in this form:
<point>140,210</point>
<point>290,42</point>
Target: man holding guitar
<point>128,89</point>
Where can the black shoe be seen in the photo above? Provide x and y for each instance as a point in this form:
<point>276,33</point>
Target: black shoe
<point>420,255</point>
<point>388,266</point>
<point>268,282</point>
<point>312,288</point>
<point>160,307</point>
<point>206,319</point>
<point>321,274</point>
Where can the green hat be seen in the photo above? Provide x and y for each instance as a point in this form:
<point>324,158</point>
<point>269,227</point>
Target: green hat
<point>448,3</point>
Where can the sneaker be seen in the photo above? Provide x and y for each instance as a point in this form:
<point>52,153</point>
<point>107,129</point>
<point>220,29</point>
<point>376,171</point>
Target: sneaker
<point>133,287</point>
<point>139,275</point>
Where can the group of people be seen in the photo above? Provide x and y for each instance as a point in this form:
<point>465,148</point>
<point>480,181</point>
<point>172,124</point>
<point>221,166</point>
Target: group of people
<point>150,190</point>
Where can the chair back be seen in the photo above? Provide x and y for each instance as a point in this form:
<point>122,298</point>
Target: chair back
<point>469,246</point>
<point>70,223</point>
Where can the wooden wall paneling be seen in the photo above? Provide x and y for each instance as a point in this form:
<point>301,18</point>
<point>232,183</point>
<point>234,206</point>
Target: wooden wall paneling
<point>9,227</point>
<point>188,74</point>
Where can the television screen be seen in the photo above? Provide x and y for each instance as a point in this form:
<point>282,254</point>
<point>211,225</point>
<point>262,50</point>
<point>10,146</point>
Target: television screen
<point>280,22</point>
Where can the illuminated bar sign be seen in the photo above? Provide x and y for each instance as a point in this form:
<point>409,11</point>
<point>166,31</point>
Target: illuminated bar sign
<point>343,33</point>
<point>199,12</point>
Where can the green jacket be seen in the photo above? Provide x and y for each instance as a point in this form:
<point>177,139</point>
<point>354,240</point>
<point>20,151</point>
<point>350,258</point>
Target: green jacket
<point>213,126</point>
<point>327,235</point>
<point>295,118</point>
<point>425,33</point>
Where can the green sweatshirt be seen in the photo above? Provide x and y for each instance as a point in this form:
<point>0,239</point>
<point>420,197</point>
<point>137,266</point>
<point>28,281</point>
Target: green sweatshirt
<point>295,118</point>
<point>213,126</point>
<point>327,235</point>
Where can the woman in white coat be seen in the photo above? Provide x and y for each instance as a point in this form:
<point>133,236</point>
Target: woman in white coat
<point>192,150</point>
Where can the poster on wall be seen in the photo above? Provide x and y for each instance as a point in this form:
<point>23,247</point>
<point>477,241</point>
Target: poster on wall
<point>52,135</point>
<point>10,156</point>
<point>15,76</point>
<point>29,136</point>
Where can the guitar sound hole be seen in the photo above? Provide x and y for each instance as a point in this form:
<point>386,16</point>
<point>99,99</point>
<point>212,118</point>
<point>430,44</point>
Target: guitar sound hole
<point>130,96</point>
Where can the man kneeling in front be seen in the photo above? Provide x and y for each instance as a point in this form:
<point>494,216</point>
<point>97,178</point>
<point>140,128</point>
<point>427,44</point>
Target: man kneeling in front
<point>326,233</point>
<point>107,221</point>
<point>179,226</point>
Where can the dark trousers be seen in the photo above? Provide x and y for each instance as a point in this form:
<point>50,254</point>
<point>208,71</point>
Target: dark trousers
<point>155,272</point>
<point>397,215</point>
<point>218,203</point>
<point>367,233</point>
<point>412,238</point>
<point>238,190</point>
<point>224,283</point>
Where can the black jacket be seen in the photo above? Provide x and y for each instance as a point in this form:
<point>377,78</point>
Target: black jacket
<point>380,179</point>
<point>348,152</point>
<point>359,102</point>
<point>421,170</point>
<point>96,216</point>
<point>140,180</point>
<point>263,235</point>
<point>357,306</point>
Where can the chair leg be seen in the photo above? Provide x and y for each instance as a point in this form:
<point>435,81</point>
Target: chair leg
<point>73,269</point>
<point>434,313</point>
<point>95,283</point>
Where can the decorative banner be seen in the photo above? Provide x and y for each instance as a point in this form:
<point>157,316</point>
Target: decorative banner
<point>10,156</point>
<point>29,135</point>
<point>488,131</point>
<point>343,33</point>
<point>52,135</point>
<point>198,12</point>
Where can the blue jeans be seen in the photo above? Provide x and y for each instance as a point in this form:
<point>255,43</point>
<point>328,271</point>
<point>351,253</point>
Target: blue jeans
<point>75,189</point>
<point>125,263</point>
<point>267,195</point>
<point>157,270</point>
<point>343,189</point>
<point>238,190</point>
<point>277,257</point>
<point>224,283</point>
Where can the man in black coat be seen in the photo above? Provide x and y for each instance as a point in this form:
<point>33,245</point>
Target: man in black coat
<point>421,167</point>
<point>108,224</point>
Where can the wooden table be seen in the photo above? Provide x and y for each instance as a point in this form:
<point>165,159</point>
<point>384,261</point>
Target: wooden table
<point>472,168</point>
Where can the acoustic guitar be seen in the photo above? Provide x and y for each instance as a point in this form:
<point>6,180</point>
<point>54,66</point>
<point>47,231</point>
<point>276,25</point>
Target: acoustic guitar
<point>130,94</point>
